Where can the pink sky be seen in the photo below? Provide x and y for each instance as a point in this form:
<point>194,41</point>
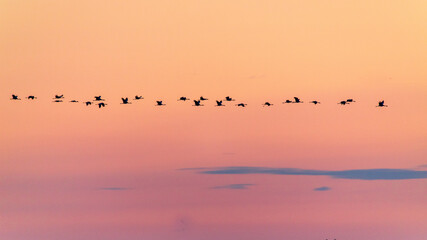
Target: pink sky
<point>73,172</point>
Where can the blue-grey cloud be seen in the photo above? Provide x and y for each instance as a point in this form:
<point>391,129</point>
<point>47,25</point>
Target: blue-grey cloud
<point>322,189</point>
<point>114,189</point>
<point>359,174</point>
<point>234,186</point>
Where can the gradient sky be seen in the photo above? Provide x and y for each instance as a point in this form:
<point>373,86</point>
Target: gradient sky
<point>143,172</point>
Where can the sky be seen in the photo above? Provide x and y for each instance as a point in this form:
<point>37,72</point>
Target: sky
<point>289,171</point>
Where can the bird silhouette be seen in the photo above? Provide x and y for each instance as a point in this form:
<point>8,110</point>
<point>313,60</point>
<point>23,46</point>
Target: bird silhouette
<point>125,101</point>
<point>98,98</point>
<point>183,99</point>
<point>160,103</point>
<point>297,100</point>
<point>59,96</point>
<point>219,103</point>
<point>100,105</point>
<point>197,103</point>
<point>15,97</point>
<point>381,104</point>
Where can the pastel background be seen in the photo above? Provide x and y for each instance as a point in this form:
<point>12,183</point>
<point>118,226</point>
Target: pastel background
<point>73,172</point>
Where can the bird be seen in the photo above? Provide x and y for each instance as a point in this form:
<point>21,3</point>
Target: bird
<point>343,102</point>
<point>381,104</point>
<point>241,104</point>
<point>315,102</point>
<point>98,98</point>
<point>228,98</point>
<point>125,101</point>
<point>59,96</point>
<point>138,97</point>
<point>203,99</point>
<point>74,101</point>
<point>183,99</point>
<point>88,103</point>
<point>197,103</point>
<point>267,104</point>
<point>31,97</point>
<point>219,103</point>
<point>160,103</point>
<point>287,101</point>
<point>350,100</point>
<point>100,105</point>
<point>297,100</point>
<point>57,100</point>
<point>15,97</point>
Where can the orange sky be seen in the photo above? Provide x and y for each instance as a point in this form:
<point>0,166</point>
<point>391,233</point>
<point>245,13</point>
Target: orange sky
<point>60,161</point>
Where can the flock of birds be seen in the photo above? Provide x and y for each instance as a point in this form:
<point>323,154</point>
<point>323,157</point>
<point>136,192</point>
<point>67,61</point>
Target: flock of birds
<point>98,100</point>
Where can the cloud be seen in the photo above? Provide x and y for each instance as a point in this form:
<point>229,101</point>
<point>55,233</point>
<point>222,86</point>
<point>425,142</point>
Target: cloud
<point>229,153</point>
<point>256,76</point>
<point>359,174</point>
<point>234,186</point>
<point>114,189</point>
<point>322,189</point>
